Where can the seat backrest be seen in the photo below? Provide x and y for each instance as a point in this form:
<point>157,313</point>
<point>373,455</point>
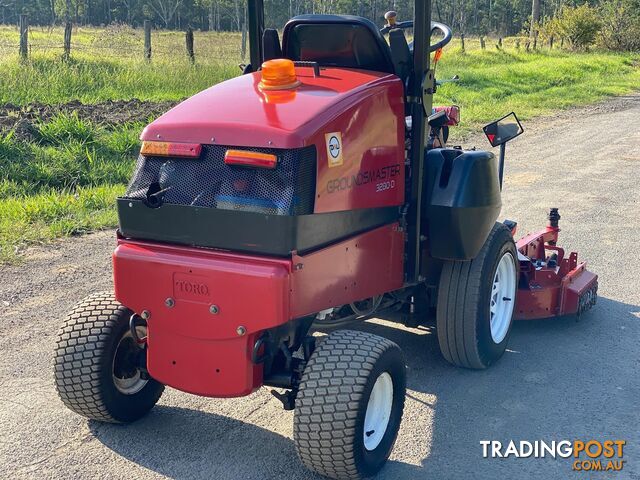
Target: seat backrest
<point>271,44</point>
<point>401,55</point>
<point>337,40</point>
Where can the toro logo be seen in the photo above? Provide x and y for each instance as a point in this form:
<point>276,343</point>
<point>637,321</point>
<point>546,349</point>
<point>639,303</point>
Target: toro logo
<point>190,287</point>
<point>334,148</point>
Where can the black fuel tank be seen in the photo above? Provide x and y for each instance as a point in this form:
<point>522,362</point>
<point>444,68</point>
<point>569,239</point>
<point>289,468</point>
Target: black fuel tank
<point>461,203</point>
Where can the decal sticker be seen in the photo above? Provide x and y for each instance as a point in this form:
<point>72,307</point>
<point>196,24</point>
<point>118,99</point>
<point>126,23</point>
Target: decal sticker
<point>334,148</point>
<point>384,177</point>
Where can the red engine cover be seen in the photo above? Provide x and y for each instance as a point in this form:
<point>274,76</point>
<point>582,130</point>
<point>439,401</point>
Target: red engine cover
<point>356,115</point>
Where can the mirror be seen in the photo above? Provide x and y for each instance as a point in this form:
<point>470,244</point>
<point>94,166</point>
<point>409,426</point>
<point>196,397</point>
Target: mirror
<point>503,130</point>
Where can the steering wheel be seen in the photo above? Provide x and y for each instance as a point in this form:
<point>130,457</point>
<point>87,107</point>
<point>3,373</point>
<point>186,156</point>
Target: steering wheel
<point>435,27</point>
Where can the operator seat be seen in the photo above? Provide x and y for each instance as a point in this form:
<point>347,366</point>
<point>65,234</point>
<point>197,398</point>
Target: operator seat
<point>337,41</point>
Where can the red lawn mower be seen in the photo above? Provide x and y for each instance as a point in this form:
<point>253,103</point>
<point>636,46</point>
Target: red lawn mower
<point>310,192</point>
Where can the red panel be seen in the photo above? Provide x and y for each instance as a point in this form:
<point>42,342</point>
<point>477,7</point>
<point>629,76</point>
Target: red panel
<point>190,348</point>
<point>355,269</point>
<point>453,113</point>
<point>371,172</point>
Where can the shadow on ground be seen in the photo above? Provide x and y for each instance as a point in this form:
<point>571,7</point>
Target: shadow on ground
<point>555,382</point>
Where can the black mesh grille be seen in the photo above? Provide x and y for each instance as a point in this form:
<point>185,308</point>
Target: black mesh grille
<point>289,189</point>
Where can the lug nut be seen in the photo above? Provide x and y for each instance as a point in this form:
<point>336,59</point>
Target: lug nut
<point>241,331</point>
<point>169,302</point>
<point>214,310</point>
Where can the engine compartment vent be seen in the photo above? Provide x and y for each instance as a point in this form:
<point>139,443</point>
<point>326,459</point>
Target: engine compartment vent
<point>288,189</point>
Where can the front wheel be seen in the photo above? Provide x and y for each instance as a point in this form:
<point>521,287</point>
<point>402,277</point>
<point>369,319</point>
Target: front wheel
<point>96,363</point>
<point>475,303</point>
<point>349,405</point>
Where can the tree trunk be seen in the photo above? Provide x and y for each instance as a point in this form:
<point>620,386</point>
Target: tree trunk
<point>535,17</point>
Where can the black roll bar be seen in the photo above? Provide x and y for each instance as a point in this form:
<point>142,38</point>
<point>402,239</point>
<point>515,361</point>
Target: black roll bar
<point>420,95</point>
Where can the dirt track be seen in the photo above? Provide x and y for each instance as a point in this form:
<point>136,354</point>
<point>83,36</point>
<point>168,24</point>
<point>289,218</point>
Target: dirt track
<point>559,380</point>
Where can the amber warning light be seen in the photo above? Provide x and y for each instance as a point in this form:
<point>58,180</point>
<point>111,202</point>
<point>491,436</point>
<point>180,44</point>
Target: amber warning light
<point>278,74</point>
<point>169,149</point>
<point>246,158</point>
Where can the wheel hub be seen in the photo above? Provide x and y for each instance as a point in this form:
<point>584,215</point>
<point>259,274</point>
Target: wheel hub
<point>126,375</point>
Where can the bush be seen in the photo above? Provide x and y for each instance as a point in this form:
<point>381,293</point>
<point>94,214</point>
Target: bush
<point>579,25</point>
<point>620,25</point>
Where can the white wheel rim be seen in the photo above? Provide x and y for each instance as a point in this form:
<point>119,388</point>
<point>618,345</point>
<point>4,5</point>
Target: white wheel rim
<point>132,383</point>
<point>376,418</point>
<point>503,297</point>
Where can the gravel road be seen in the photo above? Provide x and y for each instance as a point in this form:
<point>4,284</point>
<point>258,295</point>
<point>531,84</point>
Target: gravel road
<point>560,379</point>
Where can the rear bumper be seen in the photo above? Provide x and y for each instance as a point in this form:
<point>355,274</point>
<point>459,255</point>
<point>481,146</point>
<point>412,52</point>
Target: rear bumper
<point>189,347</point>
<point>197,351</point>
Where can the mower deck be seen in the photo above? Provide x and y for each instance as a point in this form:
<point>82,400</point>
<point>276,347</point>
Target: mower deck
<point>551,284</point>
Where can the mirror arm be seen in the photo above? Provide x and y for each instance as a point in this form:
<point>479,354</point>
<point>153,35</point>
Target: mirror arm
<point>501,163</point>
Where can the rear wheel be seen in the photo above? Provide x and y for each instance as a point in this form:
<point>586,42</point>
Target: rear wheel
<point>96,363</point>
<point>349,405</point>
<point>475,303</point>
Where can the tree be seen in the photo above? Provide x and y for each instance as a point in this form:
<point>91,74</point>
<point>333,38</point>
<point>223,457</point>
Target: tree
<point>535,18</point>
<point>166,9</point>
<point>579,25</point>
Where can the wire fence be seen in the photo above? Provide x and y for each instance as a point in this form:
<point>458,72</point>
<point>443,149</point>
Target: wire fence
<point>123,42</point>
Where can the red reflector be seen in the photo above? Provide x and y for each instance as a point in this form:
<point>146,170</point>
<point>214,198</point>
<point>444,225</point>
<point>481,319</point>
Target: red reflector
<point>250,159</point>
<point>170,149</point>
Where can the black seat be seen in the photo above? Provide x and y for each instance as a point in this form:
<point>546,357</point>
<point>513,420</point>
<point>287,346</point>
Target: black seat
<point>401,55</point>
<point>271,44</point>
<point>337,40</point>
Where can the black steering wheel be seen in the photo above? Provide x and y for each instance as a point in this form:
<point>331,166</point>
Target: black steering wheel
<point>435,27</point>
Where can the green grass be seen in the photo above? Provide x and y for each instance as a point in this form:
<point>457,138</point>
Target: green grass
<point>63,180</point>
<point>108,64</point>
<point>493,83</point>
<point>62,183</point>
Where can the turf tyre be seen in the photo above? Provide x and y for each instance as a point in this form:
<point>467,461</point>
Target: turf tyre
<point>463,316</point>
<point>337,383</point>
<point>84,363</point>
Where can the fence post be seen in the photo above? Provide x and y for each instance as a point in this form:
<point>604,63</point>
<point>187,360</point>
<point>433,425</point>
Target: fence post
<point>462,41</point>
<point>67,41</point>
<point>147,40</point>
<point>517,43</point>
<point>551,42</point>
<point>243,42</point>
<point>535,40</point>
<point>189,42</point>
<point>482,45</point>
<point>24,36</point>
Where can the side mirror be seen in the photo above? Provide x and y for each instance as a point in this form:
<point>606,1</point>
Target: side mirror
<point>503,130</point>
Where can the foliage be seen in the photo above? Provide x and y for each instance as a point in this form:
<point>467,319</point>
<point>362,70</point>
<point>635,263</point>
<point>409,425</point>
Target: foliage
<point>620,25</point>
<point>579,25</point>
<point>481,17</point>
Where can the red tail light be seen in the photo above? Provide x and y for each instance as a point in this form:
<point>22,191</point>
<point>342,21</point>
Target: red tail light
<point>250,159</point>
<point>170,149</point>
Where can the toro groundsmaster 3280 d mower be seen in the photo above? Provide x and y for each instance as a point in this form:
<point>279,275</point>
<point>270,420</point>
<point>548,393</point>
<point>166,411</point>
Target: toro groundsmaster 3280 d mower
<point>307,193</point>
